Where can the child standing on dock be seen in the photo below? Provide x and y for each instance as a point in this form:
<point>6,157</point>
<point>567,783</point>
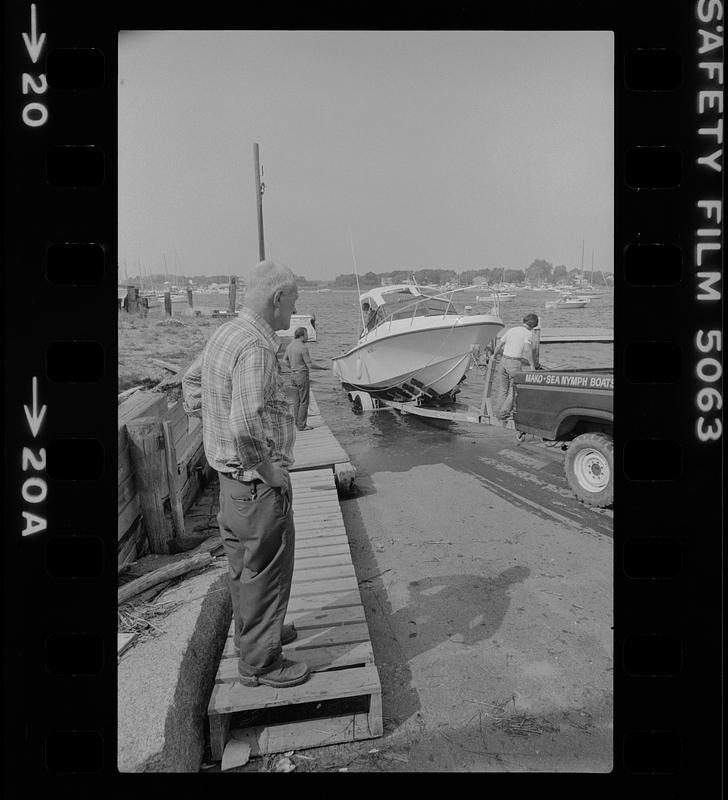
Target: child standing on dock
<point>299,361</point>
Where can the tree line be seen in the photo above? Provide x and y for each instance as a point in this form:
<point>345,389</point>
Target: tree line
<point>539,272</point>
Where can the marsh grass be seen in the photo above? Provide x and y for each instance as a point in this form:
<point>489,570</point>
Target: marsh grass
<point>176,340</point>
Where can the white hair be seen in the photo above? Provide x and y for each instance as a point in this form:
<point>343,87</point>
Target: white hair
<point>265,279</point>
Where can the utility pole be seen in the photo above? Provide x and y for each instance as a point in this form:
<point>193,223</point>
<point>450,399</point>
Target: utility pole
<point>259,189</point>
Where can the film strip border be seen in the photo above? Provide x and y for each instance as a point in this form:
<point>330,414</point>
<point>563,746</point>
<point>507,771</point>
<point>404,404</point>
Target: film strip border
<point>668,332</point>
<point>61,390</point>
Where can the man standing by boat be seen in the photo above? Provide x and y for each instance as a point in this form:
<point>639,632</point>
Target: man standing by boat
<point>248,434</point>
<point>517,346</point>
<point>299,361</point>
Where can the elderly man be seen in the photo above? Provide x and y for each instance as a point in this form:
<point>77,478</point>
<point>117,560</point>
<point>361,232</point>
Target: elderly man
<point>248,434</point>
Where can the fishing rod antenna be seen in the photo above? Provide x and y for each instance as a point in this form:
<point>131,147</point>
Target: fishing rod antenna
<point>356,275</point>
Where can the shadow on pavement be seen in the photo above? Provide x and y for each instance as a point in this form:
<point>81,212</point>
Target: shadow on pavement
<point>464,608</point>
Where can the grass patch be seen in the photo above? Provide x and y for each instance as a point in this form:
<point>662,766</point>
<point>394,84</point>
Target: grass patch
<point>169,339</point>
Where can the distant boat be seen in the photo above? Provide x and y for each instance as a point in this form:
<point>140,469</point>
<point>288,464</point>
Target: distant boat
<point>489,298</point>
<point>307,321</point>
<point>568,301</point>
<point>322,291</point>
<point>175,297</point>
<point>413,345</point>
<point>590,291</point>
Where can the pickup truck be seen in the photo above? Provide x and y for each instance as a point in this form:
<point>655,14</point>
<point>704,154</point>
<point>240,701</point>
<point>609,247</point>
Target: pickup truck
<point>572,408</point>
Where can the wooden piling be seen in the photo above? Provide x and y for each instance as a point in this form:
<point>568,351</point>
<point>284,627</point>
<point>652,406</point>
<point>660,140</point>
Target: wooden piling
<point>147,452</point>
<point>232,294</point>
<point>168,304</point>
<point>132,299</point>
<point>486,406</point>
<point>175,501</point>
<point>189,298</point>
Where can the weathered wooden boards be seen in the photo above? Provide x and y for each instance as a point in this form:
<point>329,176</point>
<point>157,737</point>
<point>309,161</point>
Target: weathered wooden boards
<point>176,378</point>
<point>146,448</point>
<point>160,468</point>
<point>155,488</point>
<point>318,448</point>
<point>333,639</point>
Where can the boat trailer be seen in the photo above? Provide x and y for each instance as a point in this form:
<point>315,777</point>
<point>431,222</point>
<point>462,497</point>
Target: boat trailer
<point>421,404</point>
<point>420,401</point>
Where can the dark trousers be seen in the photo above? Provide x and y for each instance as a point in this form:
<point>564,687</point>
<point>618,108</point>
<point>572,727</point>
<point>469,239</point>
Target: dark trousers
<point>300,393</point>
<point>256,526</point>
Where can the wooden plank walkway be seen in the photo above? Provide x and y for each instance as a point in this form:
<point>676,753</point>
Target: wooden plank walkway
<point>318,448</point>
<point>333,639</point>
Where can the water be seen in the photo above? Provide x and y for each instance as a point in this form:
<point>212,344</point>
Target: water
<point>388,440</point>
<point>338,323</point>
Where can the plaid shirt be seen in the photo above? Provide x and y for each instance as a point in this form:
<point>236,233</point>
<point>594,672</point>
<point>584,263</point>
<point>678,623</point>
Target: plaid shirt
<point>245,413</point>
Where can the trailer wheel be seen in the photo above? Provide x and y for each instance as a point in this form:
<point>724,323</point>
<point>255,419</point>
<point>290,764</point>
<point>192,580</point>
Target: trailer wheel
<point>363,401</point>
<point>589,468</point>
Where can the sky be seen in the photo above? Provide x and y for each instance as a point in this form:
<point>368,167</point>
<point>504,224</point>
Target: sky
<point>380,150</point>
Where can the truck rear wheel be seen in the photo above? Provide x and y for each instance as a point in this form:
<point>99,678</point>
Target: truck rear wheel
<point>589,468</point>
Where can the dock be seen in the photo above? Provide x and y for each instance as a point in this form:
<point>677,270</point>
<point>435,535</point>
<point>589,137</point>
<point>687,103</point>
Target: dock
<point>168,494</point>
<point>342,701</point>
<point>317,448</point>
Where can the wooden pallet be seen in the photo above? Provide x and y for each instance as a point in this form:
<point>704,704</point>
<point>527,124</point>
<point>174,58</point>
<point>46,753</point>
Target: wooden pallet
<point>333,639</point>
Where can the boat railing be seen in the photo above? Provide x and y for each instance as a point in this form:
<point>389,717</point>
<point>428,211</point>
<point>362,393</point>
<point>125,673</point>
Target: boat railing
<point>396,313</point>
<point>416,304</point>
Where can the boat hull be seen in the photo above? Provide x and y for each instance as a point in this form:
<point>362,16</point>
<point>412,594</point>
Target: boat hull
<point>430,359</point>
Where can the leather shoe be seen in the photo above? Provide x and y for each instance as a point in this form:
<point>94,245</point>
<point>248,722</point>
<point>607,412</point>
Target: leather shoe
<point>288,634</point>
<point>287,673</point>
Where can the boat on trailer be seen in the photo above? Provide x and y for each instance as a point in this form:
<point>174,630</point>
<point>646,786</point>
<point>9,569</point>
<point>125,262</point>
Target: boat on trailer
<point>413,345</point>
<point>451,410</point>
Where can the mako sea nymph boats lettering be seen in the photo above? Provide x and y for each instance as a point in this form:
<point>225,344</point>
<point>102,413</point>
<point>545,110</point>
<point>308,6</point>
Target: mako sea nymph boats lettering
<point>413,344</point>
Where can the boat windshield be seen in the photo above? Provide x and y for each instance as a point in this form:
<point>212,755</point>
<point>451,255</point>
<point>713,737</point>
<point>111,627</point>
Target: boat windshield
<point>408,307</point>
